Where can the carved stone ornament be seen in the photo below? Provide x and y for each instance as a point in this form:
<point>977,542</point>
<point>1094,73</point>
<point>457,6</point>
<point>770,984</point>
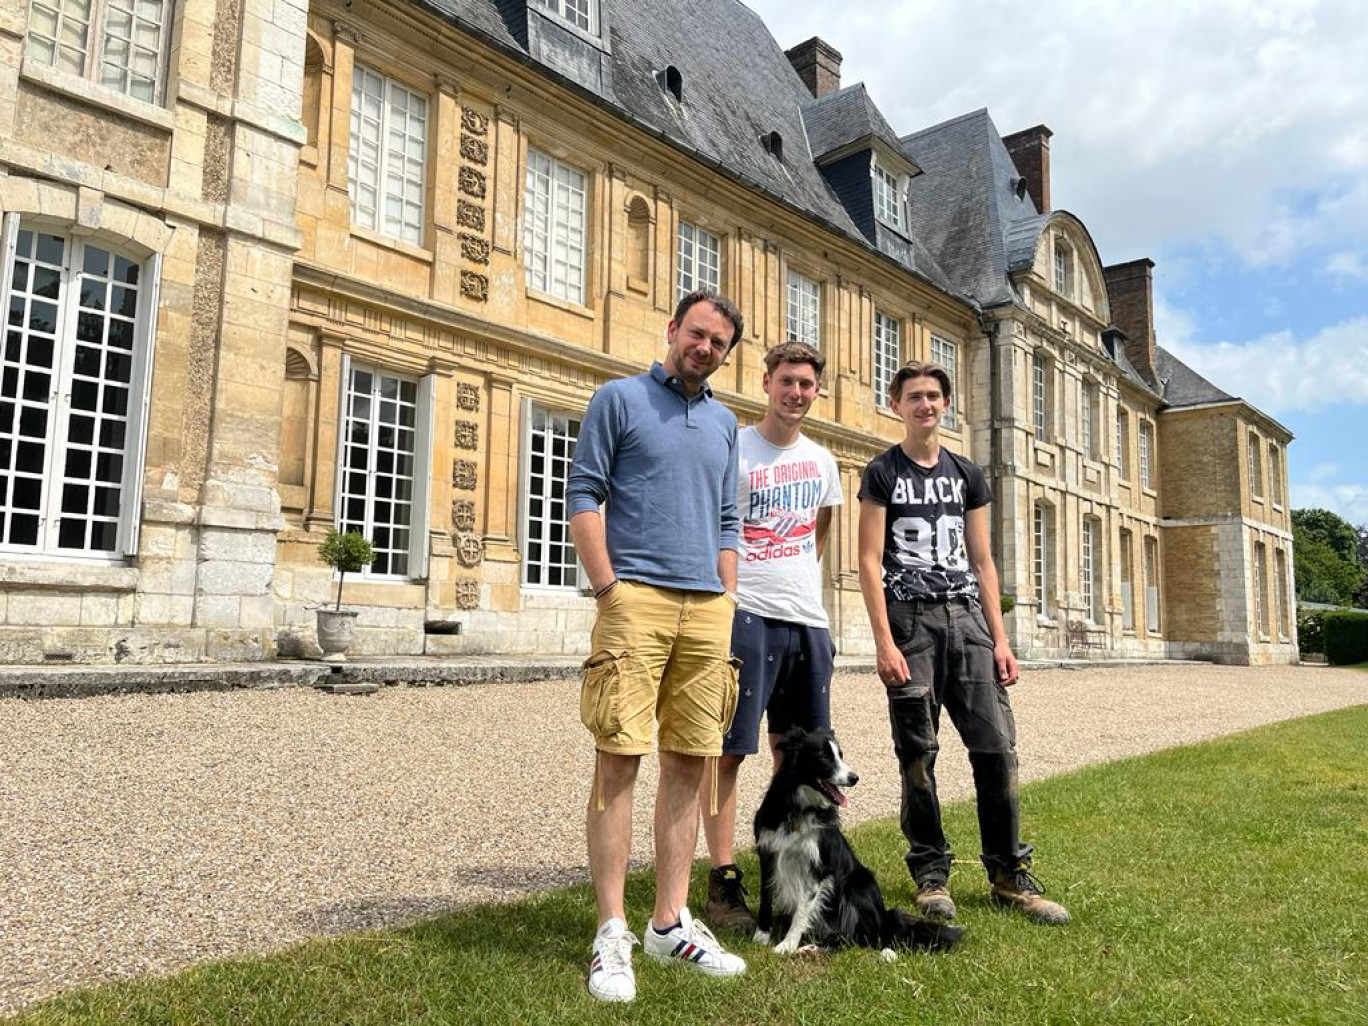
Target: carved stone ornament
<point>471,182</point>
<point>469,549</point>
<point>474,150</point>
<point>468,397</point>
<point>474,248</point>
<point>474,121</point>
<point>470,215</point>
<point>465,475</point>
<point>467,593</point>
<point>463,515</point>
<point>474,286</point>
<point>467,434</point>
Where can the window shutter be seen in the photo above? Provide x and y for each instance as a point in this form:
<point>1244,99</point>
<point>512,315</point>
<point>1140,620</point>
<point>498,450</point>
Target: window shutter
<point>339,468</point>
<point>135,461</point>
<point>524,483</point>
<point>422,478</point>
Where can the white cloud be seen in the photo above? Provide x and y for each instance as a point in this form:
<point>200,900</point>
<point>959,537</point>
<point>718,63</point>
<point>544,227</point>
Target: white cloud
<point>1322,472</point>
<point>1173,326</point>
<point>1279,373</point>
<point>1347,264</point>
<point>1348,500</point>
<point>1238,121</point>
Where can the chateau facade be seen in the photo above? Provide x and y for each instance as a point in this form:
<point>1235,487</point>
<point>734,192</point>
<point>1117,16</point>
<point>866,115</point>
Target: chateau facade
<point>287,266</point>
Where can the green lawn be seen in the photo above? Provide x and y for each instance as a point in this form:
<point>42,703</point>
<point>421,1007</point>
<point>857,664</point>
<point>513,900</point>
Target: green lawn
<point>1222,883</point>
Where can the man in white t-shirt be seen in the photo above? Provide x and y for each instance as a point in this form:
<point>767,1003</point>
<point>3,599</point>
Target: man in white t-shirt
<point>787,486</point>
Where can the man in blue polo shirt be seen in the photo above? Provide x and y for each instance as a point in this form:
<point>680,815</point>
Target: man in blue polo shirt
<point>660,452</point>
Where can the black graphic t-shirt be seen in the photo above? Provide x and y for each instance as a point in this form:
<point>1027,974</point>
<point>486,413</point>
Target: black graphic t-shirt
<point>924,555</point>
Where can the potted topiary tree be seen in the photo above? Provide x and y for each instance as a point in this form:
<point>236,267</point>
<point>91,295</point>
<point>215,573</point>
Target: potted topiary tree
<point>348,553</point>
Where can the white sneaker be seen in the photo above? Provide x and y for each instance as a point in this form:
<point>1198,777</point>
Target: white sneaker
<point>693,944</point>
<point>610,969</point>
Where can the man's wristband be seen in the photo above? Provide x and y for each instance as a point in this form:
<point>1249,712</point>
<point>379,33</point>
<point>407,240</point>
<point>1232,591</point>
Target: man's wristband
<point>606,588</point>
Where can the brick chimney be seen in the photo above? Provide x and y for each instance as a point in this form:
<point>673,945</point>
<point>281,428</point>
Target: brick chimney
<point>1030,151</point>
<point>818,64</point>
<point>1130,291</point>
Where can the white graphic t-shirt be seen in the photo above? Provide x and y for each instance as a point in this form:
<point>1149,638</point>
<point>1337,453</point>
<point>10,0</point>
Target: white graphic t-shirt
<point>779,491</point>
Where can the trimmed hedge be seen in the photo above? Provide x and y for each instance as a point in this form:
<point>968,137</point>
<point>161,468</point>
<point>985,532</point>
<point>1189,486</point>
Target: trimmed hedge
<point>1346,638</point>
<point>1311,632</point>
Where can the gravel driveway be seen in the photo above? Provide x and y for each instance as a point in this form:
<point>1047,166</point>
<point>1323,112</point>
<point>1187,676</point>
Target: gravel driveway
<point>140,833</point>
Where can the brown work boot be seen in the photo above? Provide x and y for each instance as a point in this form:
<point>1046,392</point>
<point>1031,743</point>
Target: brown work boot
<point>1018,889</point>
<point>933,900</point>
<point>726,908</point>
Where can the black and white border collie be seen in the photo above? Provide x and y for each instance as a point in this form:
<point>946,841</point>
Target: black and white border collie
<point>812,887</point>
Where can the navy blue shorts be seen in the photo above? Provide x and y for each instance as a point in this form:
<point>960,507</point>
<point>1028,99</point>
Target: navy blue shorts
<point>785,673</point>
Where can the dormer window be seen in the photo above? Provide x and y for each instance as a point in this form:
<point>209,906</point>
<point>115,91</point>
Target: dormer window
<point>672,82</point>
<point>773,143</point>
<point>578,14</point>
<point>889,190</point>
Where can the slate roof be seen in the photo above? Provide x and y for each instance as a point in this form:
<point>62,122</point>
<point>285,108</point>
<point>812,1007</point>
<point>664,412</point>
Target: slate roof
<point>846,116</point>
<point>964,206</point>
<point>737,85</point>
<point>1182,385</point>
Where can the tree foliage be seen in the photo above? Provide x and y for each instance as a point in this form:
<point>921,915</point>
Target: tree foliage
<point>1326,551</point>
<point>348,553</point>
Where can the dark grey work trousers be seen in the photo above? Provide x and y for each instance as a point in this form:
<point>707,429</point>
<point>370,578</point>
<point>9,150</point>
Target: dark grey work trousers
<point>950,655</point>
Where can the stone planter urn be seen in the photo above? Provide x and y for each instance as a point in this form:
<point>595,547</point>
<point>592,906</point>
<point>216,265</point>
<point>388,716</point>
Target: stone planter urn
<point>336,632</point>
<point>347,554</point>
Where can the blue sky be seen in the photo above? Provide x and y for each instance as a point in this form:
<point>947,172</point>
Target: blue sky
<point>1226,140</point>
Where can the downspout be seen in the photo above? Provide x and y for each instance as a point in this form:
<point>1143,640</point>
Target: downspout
<point>996,476</point>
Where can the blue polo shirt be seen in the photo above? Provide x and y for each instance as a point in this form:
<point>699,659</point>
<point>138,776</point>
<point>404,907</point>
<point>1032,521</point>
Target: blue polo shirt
<point>665,464</point>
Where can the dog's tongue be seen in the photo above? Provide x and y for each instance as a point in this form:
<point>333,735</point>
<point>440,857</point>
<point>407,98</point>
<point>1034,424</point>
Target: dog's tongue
<point>835,794</point>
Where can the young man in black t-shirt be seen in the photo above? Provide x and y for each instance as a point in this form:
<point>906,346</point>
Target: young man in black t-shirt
<point>929,583</point>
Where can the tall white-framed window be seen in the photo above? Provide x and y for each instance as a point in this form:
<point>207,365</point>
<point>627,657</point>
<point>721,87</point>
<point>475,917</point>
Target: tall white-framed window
<point>1152,624</point>
<point>1146,441</point>
<point>1255,457</point>
<point>555,227</point>
<point>580,14</point>
<point>1127,559</point>
<point>1042,542</point>
<point>387,156</point>
<point>1275,474</point>
<point>1040,394</point>
<point>804,323</point>
<point>384,467</point>
<point>1260,589</point>
<point>74,378</point>
<point>887,355</point>
<point>1063,268</point>
<point>120,44</point>
<point>946,353</point>
<point>700,260</point>
<point>1090,420</point>
<point>1123,444</point>
<point>1280,597</point>
<point>1090,570</point>
<point>888,196</point>
<point>548,449</point>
